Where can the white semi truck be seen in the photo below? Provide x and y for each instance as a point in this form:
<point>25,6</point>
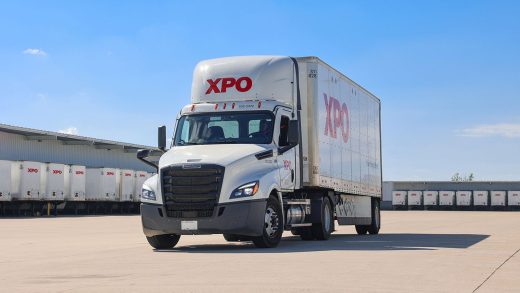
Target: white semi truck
<point>267,144</point>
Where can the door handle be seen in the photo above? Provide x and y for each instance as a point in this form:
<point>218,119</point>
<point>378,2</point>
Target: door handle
<point>292,175</point>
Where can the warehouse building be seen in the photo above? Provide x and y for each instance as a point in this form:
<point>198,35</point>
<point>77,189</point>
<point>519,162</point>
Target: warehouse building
<point>44,170</point>
<point>24,144</point>
<point>451,194</point>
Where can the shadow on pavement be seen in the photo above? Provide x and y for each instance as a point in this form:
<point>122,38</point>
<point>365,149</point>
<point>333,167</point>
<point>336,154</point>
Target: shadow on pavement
<point>382,242</point>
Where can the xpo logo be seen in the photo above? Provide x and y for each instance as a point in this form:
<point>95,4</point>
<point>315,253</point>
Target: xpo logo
<point>58,172</point>
<point>80,172</point>
<point>32,170</point>
<point>242,84</point>
<point>110,173</point>
<point>337,117</point>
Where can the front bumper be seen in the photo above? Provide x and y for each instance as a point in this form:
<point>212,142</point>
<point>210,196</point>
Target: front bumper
<point>242,218</point>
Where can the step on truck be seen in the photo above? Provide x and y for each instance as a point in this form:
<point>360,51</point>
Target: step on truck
<point>268,144</point>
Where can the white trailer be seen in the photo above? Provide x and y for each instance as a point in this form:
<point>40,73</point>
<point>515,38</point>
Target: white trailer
<point>399,198</point>
<point>463,198</point>
<point>446,198</point>
<point>415,198</point>
<point>9,170</point>
<point>140,178</point>
<point>76,183</point>
<point>31,181</point>
<point>55,178</point>
<point>480,198</point>
<point>498,198</point>
<point>101,184</point>
<point>298,141</point>
<point>513,198</point>
<point>127,185</point>
<point>431,198</point>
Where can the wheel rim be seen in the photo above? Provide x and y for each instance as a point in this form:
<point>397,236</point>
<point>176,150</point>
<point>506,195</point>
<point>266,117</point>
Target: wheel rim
<point>271,222</point>
<point>326,219</point>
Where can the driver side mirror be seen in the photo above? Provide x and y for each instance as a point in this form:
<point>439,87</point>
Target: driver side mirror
<point>293,134</point>
<point>161,138</point>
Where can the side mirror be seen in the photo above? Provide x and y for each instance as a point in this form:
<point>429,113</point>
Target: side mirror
<point>293,134</point>
<point>161,138</point>
<point>149,157</point>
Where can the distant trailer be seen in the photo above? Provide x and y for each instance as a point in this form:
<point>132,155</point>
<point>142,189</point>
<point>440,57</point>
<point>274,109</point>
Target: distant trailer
<point>126,185</point>
<point>431,198</point>
<point>140,178</point>
<point>101,184</point>
<point>513,199</point>
<point>415,199</point>
<point>480,198</point>
<point>8,170</point>
<point>463,198</point>
<point>54,181</point>
<point>446,198</point>
<point>30,181</point>
<point>399,199</point>
<point>76,183</point>
<point>498,198</point>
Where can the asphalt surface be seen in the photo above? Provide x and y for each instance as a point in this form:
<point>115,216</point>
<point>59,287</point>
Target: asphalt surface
<point>417,251</point>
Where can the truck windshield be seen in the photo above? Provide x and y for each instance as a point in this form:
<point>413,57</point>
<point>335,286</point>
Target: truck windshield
<point>224,128</point>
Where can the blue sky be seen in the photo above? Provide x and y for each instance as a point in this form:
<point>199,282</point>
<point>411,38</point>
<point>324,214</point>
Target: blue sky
<point>447,72</point>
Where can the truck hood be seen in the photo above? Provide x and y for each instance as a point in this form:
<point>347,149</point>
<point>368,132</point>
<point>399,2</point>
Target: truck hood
<point>220,154</point>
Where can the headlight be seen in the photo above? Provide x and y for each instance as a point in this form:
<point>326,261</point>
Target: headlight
<point>148,194</point>
<point>248,189</point>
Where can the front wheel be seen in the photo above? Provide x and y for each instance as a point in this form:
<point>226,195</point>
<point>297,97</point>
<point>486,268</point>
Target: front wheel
<point>273,225</point>
<point>165,241</point>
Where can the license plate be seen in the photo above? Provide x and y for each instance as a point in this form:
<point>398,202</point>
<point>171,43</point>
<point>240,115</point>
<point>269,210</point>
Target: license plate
<point>189,225</point>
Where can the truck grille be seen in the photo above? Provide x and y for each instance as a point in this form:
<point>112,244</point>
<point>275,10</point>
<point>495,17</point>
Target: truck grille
<point>191,191</point>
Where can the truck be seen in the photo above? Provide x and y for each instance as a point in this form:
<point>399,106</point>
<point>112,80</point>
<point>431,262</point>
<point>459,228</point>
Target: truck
<point>268,144</point>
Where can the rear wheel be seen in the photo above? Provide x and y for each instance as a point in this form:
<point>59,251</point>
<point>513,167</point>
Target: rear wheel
<point>376,218</point>
<point>273,225</point>
<point>361,229</point>
<point>322,231</point>
<point>163,241</point>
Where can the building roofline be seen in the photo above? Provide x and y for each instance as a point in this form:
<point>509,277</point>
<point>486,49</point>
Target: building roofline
<point>40,135</point>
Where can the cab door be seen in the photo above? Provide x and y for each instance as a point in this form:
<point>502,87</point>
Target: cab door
<point>287,160</point>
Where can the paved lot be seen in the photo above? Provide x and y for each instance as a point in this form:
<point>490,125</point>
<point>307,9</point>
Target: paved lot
<point>419,251</point>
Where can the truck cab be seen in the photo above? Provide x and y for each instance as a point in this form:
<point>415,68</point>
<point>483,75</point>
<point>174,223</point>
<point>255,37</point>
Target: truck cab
<point>236,163</point>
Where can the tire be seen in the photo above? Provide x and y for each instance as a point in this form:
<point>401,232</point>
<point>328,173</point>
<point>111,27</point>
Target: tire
<point>374,227</point>
<point>361,229</point>
<point>322,231</point>
<point>164,241</point>
<point>273,225</point>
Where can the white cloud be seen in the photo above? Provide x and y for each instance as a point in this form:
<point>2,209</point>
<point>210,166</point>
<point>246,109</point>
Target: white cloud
<point>36,52</point>
<point>69,130</point>
<point>509,130</point>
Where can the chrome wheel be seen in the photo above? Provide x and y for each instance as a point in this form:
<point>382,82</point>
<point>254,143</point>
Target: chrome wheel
<point>271,222</point>
<point>326,219</point>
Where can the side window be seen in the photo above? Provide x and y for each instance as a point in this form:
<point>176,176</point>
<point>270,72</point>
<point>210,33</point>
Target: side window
<point>253,126</point>
<point>284,127</point>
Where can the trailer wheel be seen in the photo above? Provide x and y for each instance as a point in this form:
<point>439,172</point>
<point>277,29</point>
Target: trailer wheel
<point>376,218</point>
<point>322,231</point>
<point>361,229</point>
<point>163,241</point>
<point>273,225</point>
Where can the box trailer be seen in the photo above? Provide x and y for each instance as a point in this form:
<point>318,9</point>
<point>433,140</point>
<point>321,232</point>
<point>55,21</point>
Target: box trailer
<point>446,198</point>
<point>513,198</point>
<point>480,198</point>
<point>127,185</point>
<point>140,178</point>
<point>268,140</point>
<point>9,171</point>
<point>415,198</point>
<point>463,198</point>
<point>431,198</point>
<point>399,198</point>
<point>498,199</point>
<point>31,181</point>
<point>76,183</point>
<point>101,184</point>
<point>55,178</point>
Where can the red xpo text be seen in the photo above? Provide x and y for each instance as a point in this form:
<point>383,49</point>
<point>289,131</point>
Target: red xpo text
<point>337,116</point>
<point>242,84</point>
